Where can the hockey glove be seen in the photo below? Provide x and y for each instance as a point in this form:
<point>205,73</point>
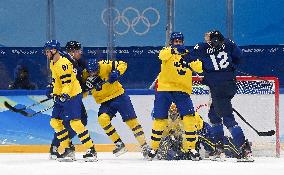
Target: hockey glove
<point>49,91</point>
<point>113,76</point>
<point>62,98</point>
<point>178,49</point>
<point>93,83</point>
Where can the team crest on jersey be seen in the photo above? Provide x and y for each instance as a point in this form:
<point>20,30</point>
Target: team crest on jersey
<point>181,66</point>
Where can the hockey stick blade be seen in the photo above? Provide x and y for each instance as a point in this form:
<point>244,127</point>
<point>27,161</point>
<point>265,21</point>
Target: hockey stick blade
<point>7,105</point>
<point>268,133</point>
<point>10,107</point>
<point>20,111</point>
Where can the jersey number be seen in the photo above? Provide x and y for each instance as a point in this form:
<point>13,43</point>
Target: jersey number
<point>223,63</point>
<point>65,67</point>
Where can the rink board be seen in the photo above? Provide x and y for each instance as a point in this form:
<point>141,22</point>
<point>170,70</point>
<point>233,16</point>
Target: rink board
<point>20,131</point>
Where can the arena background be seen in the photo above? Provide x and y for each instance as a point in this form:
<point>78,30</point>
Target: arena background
<point>133,31</point>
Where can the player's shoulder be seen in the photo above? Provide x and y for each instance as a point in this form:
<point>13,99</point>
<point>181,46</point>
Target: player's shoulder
<point>229,42</point>
<point>200,46</point>
<point>64,61</point>
<point>104,61</point>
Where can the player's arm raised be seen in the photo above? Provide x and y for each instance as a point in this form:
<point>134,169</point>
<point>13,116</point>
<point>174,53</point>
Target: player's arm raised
<point>165,53</point>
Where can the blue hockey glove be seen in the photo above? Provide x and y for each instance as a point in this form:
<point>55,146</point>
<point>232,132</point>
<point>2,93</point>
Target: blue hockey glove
<point>64,97</point>
<point>113,76</point>
<point>61,99</point>
<point>98,86</point>
<point>49,91</point>
<point>93,83</point>
<point>178,49</point>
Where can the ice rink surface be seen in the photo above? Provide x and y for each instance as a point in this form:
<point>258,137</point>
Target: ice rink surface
<point>133,164</point>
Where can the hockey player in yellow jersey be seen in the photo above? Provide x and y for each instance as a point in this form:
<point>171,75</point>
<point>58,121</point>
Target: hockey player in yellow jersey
<point>110,94</point>
<point>67,94</point>
<point>175,85</point>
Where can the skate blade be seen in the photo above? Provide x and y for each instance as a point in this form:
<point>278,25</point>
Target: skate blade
<point>90,159</point>
<point>245,160</point>
<point>52,157</point>
<point>196,158</point>
<point>66,159</point>
<point>220,158</point>
<point>217,159</point>
<point>122,151</point>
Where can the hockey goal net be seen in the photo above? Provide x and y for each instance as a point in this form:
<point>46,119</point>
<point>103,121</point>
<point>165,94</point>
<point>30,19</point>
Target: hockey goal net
<point>257,100</point>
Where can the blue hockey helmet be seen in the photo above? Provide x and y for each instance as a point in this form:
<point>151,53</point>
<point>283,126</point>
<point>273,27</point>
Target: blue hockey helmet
<point>176,35</point>
<point>52,44</point>
<point>92,66</point>
<point>216,39</point>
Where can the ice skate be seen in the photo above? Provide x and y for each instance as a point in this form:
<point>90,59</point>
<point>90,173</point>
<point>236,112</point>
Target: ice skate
<point>91,155</point>
<point>67,156</point>
<point>145,150</point>
<point>119,149</point>
<point>218,154</point>
<point>246,153</point>
<point>53,153</point>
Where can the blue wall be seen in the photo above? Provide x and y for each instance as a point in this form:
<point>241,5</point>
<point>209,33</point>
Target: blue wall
<point>23,23</point>
<point>143,63</point>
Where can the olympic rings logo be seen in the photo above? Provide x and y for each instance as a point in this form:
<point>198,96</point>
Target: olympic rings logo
<point>131,19</point>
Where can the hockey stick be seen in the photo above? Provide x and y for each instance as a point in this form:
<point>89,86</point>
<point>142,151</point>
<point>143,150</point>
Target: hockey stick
<point>10,107</point>
<point>24,113</point>
<point>267,133</point>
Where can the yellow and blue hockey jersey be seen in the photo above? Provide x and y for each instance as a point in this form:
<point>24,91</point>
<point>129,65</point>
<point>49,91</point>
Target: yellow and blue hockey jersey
<point>109,91</point>
<point>64,79</point>
<point>175,73</point>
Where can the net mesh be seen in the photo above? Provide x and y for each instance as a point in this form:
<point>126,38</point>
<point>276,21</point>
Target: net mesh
<point>257,101</point>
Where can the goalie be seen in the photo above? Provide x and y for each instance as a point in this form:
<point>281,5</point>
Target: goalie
<point>170,147</point>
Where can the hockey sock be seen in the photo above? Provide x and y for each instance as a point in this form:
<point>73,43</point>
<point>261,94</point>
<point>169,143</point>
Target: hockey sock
<point>82,133</point>
<point>61,133</point>
<point>137,131</point>
<point>105,122</point>
<point>189,136</point>
<point>159,126</point>
<point>217,132</point>
<point>238,135</point>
